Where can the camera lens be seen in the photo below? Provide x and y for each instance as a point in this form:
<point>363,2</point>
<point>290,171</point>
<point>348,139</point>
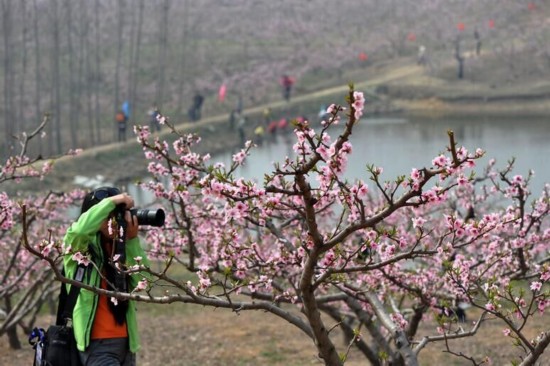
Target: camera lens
<point>149,217</point>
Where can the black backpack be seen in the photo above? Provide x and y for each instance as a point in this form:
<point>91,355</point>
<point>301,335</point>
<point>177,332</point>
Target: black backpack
<point>57,345</point>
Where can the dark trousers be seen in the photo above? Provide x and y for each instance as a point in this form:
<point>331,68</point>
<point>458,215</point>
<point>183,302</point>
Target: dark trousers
<point>108,352</point>
<point>121,133</point>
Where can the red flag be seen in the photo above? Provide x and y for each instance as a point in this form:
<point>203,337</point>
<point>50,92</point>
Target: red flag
<point>221,93</point>
<point>460,26</point>
<point>363,56</point>
<point>411,37</point>
<point>491,23</point>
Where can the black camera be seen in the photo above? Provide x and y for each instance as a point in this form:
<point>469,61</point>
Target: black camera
<point>149,217</point>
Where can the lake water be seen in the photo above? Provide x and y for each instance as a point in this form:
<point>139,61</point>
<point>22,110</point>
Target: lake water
<point>400,143</point>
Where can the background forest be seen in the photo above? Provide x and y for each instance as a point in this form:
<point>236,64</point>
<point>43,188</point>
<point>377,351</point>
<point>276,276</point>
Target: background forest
<point>79,60</point>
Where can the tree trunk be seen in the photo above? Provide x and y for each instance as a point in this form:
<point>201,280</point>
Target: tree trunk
<point>120,29</point>
<point>327,350</point>
<point>56,82</point>
<point>399,336</point>
<point>72,97</point>
<point>88,75</point>
<point>38,79</point>
<point>137,51</point>
<point>80,75</point>
<point>97,73</point>
<point>183,59</point>
<point>130,68</point>
<point>11,331</point>
<point>13,338</point>
<point>8,76</point>
<point>21,121</point>
<point>350,336</point>
<point>163,45</point>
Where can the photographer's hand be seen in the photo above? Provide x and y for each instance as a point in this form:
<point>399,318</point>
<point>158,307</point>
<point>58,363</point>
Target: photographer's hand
<point>131,221</point>
<point>132,225</point>
<point>123,198</point>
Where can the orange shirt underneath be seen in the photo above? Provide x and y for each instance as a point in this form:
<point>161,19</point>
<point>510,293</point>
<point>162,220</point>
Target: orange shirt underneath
<point>105,325</point>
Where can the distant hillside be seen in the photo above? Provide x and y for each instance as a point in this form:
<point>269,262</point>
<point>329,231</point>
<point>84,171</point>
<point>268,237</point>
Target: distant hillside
<point>79,60</point>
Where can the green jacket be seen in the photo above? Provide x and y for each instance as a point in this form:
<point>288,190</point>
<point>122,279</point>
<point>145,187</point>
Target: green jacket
<point>83,236</point>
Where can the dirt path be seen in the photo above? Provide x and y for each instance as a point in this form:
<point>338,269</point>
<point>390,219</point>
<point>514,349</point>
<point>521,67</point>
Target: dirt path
<point>177,334</point>
<point>120,163</point>
<point>404,85</point>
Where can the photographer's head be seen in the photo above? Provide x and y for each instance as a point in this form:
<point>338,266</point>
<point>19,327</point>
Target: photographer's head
<point>120,200</point>
<point>96,196</point>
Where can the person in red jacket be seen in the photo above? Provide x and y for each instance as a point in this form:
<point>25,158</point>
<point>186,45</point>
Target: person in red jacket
<point>287,82</point>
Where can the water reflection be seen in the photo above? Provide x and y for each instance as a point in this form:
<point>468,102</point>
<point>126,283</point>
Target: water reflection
<point>399,144</point>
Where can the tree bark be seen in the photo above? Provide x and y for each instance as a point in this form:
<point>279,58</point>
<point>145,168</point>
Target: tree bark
<point>81,31</point>
<point>183,59</point>
<point>327,350</point>
<point>56,82</point>
<point>11,332</point>
<point>399,336</point>
<point>8,77</point>
<point>163,46</point>
<point>130,69</point>
<point>97,73</point>
<point>72,97</point>
<point>543,342</point>
<point>367,351</point>
<point>137,52</point>
<point>21,120</point>
<point>14,341</point>
<point>88,74</point>
<point>38,79</point>
<point>120,44</point>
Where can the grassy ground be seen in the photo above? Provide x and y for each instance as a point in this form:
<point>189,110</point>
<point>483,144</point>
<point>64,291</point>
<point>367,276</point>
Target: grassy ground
<point>181,334</point>
<point>194,336</point>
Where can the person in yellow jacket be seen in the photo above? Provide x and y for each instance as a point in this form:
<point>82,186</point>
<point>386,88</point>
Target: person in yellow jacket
<point>105,328</point>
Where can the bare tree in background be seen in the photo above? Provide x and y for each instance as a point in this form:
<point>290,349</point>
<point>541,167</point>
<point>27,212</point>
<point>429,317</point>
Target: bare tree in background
<point>163,45</point>
<point>21,120</point>
<point>185,41</point>
<point>134,61</point>
<point>88,74</point>
<point>8,124</point>
<point>38,79</point>
<point>132,14</point>
<point>73,118</point>
<point>55,100</point>
<point>8,75</point>
<point>97,71</point>
<point>120,44</point>
<point>81,32</point>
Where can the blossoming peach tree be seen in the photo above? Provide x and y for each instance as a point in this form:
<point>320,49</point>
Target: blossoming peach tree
<point>374,259</point>
<point>25,281</point>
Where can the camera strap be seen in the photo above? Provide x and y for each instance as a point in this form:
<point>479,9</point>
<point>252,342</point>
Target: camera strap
<point>120,249</point>
<point>68,301</point>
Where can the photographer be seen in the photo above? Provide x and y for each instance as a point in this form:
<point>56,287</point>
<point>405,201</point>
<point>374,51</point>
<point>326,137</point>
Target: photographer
<point>105,329</point>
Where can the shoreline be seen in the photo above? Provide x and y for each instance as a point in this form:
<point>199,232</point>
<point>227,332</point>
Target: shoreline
<point>439,107</point>
<point>404,91</point>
